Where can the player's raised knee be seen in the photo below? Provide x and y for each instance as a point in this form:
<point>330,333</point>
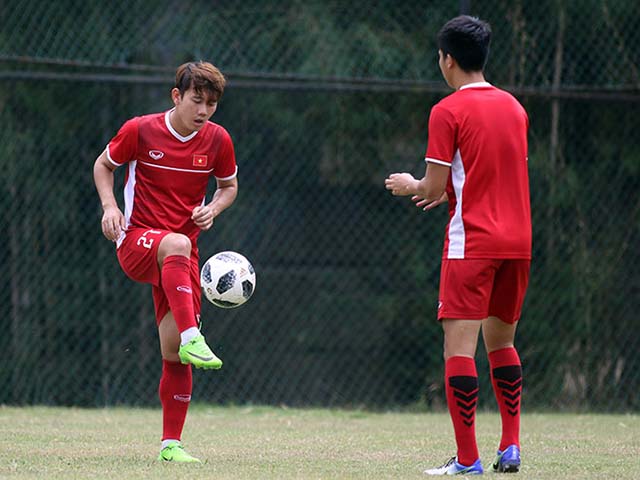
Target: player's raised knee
<point>174,244</point>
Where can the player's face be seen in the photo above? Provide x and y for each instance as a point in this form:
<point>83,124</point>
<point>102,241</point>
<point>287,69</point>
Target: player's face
<point>193,109</point>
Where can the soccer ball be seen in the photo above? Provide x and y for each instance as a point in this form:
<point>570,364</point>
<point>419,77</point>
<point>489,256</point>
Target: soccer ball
<point>228,279</point>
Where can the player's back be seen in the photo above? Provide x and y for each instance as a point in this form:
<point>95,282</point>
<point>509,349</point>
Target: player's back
<point>489,177</point>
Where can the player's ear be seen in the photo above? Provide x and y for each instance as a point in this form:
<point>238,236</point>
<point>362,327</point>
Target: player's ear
<point>450,61</point>
<point>175,96</point>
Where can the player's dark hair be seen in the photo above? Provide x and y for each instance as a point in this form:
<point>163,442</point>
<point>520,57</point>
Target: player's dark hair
<point>203,77</point>
<point>467,40</point>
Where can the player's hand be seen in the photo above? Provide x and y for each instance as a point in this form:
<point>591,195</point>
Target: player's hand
<point>203,217</point>
<point>428,205</point>
<point>113,223</point>
<point>401,184</point>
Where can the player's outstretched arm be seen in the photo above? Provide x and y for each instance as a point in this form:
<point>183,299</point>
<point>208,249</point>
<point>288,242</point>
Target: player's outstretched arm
<point>428,192</point>
<point>402,184</point>
<point>225,194</point>
<point>112,219</point>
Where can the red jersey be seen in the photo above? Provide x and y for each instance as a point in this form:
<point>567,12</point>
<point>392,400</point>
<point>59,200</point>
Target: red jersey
<point>481,132</point>
<point>168,174</point>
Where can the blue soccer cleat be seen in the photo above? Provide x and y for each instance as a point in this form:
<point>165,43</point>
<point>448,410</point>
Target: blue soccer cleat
<point>507,461</point>
<point>452,467</point>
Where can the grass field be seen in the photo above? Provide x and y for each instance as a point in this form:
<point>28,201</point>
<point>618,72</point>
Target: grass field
<point>280,443</point>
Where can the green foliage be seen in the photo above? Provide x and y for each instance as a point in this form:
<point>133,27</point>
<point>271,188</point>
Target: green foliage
<point>344,311</point>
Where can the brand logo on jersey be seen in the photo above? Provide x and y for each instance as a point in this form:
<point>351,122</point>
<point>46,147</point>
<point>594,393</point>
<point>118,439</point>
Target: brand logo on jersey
<point>199,160</point>
<point>183,289</point>
<point>182,398</point>
<point>439,305</point>
<point>156,154</point>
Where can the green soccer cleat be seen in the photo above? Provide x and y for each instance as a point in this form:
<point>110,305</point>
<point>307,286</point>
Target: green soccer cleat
<point>198,353</point>
<point>174,452</point>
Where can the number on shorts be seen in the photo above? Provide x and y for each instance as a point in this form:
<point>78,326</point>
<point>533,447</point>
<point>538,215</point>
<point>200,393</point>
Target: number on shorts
<point>147,242</point>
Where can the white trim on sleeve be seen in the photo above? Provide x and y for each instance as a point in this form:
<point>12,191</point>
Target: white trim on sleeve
<point>439,162</point>
<point>230,176</point>
<point>111,159</point>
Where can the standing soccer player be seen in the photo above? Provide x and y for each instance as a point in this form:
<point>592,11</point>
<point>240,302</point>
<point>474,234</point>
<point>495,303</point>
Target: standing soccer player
<point>170,158</point>
<point>477,160</point>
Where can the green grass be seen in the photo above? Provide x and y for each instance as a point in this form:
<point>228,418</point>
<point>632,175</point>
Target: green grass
<point>279,443</point>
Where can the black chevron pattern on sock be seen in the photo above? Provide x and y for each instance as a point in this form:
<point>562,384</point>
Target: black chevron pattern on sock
<point>511,387</point>
<point>512,405</point>
<point>465,389</point>
<point>509,382</point>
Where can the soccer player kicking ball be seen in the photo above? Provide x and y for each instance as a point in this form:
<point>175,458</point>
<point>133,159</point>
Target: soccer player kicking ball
<point>170,158</point>
<point>477,160</point>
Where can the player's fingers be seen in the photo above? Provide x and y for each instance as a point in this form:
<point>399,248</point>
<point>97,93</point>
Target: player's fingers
<point>199,211</point>
<point>206,225</point>
<point>431,205</point>
<point>112,230</point>
<point>106,229</point>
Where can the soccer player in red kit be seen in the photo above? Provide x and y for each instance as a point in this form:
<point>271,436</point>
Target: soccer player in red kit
<point>477,161</point>
<point>170,158</point>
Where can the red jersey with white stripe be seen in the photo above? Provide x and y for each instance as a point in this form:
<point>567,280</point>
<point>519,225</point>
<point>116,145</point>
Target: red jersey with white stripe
<point>481,132</point>
<point>168,174</point>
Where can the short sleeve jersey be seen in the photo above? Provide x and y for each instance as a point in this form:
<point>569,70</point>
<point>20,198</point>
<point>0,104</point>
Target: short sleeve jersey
<point>481,132</point>
<point>167,173</point>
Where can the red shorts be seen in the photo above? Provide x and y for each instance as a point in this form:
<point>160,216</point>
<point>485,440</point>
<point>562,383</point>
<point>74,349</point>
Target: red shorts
<point>474,289</point>
<point>138,257</point>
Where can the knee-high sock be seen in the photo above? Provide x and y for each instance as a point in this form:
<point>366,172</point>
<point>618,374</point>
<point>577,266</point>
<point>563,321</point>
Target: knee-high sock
<point>175,394</point>
<point>506,377</point>
<point>176,284</point>
<point>461,384</point>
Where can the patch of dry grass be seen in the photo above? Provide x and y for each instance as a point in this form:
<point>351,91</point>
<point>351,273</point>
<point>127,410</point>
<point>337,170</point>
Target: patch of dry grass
<point>278,443</point>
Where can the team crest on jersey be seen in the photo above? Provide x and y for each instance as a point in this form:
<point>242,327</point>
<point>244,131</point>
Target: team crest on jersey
<point>199,160</point>
<point>156,154</point>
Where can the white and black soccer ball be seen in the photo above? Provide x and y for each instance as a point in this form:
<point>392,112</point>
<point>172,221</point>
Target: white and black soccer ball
<point>228,279</point>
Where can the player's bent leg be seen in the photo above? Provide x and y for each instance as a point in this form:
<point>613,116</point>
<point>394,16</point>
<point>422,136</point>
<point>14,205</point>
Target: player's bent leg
<point>175,452</point>
<point>173,244</point>
<point>195,352</point>
<point>198,353</point>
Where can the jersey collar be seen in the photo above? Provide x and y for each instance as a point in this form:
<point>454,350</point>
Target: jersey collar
<point>173,130</point>
<point>475,85</point>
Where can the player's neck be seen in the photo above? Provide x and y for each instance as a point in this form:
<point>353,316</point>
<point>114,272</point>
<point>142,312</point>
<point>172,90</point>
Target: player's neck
<point>465,78</point>
<point>178,126</point>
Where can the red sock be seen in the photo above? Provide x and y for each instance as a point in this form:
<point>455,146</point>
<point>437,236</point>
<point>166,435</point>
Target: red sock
<point>461,385</point>
<point>506,377</point>
<point>175,395</point>
<point>176,284</point>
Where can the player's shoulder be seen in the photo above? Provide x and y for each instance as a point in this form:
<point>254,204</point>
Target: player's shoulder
<point>485,94</point>
<point>143,121</point>
<point>151,119</point>
<point>216,127</point>
<point>217,132</point>
<point>446,108</point>
<point>506,95</point>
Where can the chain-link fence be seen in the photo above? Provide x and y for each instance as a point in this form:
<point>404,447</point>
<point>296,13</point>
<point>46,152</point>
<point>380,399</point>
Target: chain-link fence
<point>324,100</point>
